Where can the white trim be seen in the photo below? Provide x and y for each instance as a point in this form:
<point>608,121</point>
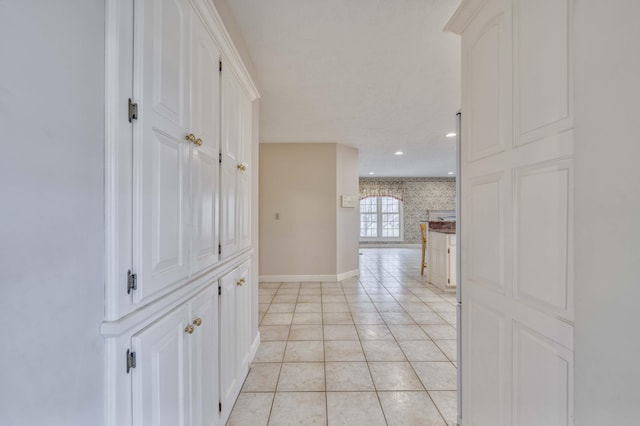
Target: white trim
<point>118,136</point>
<point>348,274</point>
<point>463,16</point>
<point>389,245</point>
<point>227,48</point>
<point>307,278</point>
<point>254,348</point>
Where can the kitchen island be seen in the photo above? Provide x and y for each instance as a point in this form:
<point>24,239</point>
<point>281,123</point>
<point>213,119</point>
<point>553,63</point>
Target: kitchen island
<point>442,256</point>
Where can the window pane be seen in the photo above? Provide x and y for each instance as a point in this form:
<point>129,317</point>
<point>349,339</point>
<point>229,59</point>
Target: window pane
<point>368,225</point>
<point>390,204</point>
<point>380,217</point>
<point>368,204</point>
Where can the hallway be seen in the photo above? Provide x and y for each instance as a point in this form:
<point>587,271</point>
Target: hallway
<point>378,349</point>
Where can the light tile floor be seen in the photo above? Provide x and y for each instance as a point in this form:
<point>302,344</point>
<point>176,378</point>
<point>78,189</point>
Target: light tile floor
<point>378,349</point>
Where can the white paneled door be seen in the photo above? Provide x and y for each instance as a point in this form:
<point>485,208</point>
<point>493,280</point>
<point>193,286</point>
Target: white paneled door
<point>161,377</point>
<point>517,212</point>
<point>235,232</point>
<point>161,154</point>
<point>229,362</point>
<point>230,145</point>
<point>205,125</point>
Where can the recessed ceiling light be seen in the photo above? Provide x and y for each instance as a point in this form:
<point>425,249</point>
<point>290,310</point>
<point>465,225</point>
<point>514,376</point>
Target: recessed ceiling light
<point>451,173</point>
<point>398,153</point>
<point>450,135</point>
<point>372,173</point>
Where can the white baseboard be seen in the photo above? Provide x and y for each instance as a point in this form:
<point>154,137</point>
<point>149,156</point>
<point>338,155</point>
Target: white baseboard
<point>254,347</point>
<point>389,245</point>
<point>348,274</point>
<point>308,278</point>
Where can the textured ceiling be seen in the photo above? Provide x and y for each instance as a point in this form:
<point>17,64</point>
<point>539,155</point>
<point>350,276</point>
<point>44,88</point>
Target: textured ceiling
<point>379,75</point>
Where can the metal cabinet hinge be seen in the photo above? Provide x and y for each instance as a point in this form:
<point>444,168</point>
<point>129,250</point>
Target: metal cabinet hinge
<point>220,65</point>
<point>219,291</point>
<point>448,251</point>
<point>220,157</point>
<point>448,281</point>
<point>133,111</point>
<point>219,248</point>
<point>131,360</point>
<point>220,407</point>
<point>132,282</point>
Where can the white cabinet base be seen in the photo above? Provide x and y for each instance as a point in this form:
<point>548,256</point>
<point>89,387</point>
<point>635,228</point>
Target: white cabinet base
<point>441,269</point>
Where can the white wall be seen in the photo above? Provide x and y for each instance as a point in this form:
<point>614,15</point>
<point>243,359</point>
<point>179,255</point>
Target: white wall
<point>347,219</point>
<point>51,212</point>
<point>607,201</point>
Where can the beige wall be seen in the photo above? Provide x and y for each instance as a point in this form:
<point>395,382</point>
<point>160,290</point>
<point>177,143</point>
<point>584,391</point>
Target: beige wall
<point>300,183</point>
<point>297,182</point>
<point>348,219</point>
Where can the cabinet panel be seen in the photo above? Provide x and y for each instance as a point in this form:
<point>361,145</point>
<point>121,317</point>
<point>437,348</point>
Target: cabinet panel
<point>542,378</point>
<point>541,64</point>
<point>484,91</point>
<point>228,343</point>
<point>235,167</point>
<point>244,178</point>
<point>243,318</point>
<point>205,125</point>
<point>230,160</point>
<point>484,334</point>
<point>160,153</point>
<point>160,378</point>
<point>543,196</point>
<point>235,335</point>
<point>485,236</point>
<point>204,358</point>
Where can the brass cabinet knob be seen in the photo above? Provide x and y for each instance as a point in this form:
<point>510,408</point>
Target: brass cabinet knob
<point>242,167</point>
<point>198,142</point>
<point>242,281</point>
<point>198,321</point>
<point>191,138</point>
<point>189,329</point>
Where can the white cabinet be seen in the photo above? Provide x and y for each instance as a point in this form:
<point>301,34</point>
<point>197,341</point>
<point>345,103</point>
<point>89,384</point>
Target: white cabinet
<point>205,166</point>
<point>176,147</point>
<point>161,154</point>
<point>517,190</point>
<point>176,366</point>
<point>178,188</point>
<point>235,335</point>
<point>236,172</point>
<point>442,260</point>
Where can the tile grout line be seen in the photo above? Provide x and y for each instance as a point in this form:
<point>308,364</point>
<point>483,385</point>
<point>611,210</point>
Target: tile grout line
<point>394,276</point>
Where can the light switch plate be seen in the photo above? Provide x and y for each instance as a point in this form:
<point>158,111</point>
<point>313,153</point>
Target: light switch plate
<point>347,201</point>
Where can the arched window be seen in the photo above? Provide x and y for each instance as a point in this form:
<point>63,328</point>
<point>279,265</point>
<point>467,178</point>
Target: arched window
<point>380,219</point>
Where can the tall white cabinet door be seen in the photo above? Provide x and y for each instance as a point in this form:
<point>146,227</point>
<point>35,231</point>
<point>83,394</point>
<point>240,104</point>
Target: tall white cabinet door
<point>161,154</point>
<point>516,213</point>
<point>229,362</point>
<point>161,377</point>
<point>205,125</point>
<point>243,318</point>
<point>231,162</point>
<point>204,358</point>
<point>244,176</point>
